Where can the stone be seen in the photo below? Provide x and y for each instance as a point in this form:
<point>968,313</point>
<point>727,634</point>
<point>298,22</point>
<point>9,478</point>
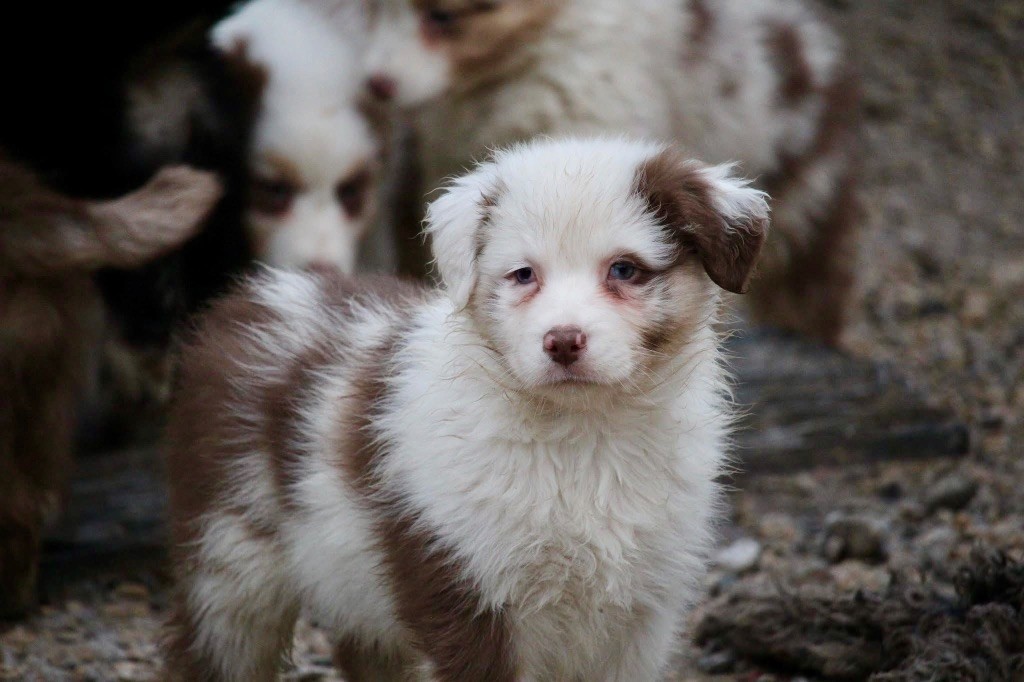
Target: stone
<point>853,536</point>
<point>717,663</point>
<point>953,491</point>
<point>742,555</point>
<point>937,545</point>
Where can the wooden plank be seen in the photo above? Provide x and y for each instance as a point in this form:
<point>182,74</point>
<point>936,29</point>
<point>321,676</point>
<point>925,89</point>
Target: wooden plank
<point>806,406</point>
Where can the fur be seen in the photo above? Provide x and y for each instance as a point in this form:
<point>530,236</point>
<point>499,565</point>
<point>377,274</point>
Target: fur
<point>415,469</point>
<point>762,83</point>
<point>100,146</point>
<point>313,157</point>
<point>49,245</point>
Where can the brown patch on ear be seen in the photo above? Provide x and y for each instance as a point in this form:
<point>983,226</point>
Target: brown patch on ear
<point>249,77</point>
<point>796,79</point>
<point>681,199</point>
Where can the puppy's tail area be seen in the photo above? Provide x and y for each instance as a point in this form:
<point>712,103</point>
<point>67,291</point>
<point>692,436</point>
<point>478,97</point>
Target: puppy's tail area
<point>43,232</point>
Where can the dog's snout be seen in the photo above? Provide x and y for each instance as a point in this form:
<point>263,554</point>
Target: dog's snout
<point>565,345</point>
<point>382,87</point>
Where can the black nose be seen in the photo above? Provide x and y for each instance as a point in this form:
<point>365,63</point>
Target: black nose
<point>565,345</point>
<point>382,87</point>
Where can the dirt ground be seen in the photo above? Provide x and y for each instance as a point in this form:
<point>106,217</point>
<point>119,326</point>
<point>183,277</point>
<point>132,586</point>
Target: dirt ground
<point>942,280</point>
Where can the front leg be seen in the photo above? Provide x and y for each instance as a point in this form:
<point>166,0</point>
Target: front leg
<point>650,644</point>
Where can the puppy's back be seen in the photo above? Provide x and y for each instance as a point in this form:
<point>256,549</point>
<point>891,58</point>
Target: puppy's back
<point>254,359</point>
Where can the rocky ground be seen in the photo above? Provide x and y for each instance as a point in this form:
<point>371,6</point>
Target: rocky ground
<point>943,300</point>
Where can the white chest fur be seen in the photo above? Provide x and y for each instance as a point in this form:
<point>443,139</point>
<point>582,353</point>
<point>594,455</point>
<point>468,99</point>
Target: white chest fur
<point>577,523</point>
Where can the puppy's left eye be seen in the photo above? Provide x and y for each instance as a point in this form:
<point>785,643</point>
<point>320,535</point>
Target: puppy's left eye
<point>622,270</point>
<point>524,276</point>
<point>351,193</point>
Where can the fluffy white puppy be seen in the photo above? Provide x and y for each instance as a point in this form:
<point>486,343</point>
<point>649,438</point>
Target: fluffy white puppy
<point>761,82</point>
<point>511,478</point>
<point>313,158</point>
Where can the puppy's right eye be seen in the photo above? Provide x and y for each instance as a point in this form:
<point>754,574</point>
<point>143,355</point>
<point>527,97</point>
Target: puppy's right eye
<point>440,17</point>
<point>273,197</point>
<point>438,22</point>
<point>524,276</point>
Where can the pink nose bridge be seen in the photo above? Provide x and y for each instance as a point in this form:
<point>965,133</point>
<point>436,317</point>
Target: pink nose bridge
<point>565,344</point>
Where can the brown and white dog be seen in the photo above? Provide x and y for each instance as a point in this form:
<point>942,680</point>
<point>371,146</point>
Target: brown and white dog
<point>50,245</point>
<point>313,156</point>
<point>759,82</point>
<point>511,478</point>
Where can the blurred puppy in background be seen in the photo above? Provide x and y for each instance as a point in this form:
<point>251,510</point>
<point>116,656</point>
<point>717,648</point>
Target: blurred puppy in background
<point>761,83</point>
<point>100,142</point>
<point>513,478</point>
<point>50,244</point>
<point>313,158</point>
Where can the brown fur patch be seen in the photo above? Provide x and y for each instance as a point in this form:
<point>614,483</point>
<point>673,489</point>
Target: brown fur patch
<point>441,608</point>
<point>48,322</point>
<point>835,132</point>
<point>702,22</point>
<point>203,441</point>
<point>486,39</point>
<point>361,663</point>
<point>664,337</point>
<point>46,330</point>
<point>812,295</point>
<point>680,198</point>
<point>249,77</point>
<point>284,403</point>
<point>796,79</point>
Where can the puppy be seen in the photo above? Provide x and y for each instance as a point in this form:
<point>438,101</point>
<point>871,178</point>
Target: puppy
<point>512,478</point>
<point>313,156</point>
<point>49,246</point>
<point>762,83</point>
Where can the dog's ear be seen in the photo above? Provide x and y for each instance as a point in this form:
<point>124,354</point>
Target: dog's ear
<point>710,212</point>
<point>454,221</point>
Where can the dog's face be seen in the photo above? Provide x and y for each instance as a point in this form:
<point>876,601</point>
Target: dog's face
<point>421,49</point>
<point>312,196</point>
<point>312,160</point>
<point>593,263</point>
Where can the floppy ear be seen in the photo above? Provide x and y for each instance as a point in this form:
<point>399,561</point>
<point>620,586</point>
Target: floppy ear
<point>709,211</point>
<point>453,222</point>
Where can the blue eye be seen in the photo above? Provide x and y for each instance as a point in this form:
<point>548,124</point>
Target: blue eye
<point>622,271</point>
<point>524,275</point>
